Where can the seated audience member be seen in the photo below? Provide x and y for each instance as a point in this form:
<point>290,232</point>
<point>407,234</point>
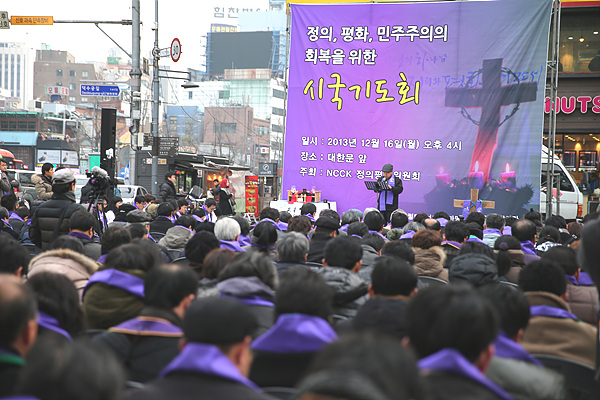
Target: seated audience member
<point>18,319</point>
<point>393,283</point>
<point>284,217</point>
<point>309,210</point>
<point>512,368</point>
<point>140,202</point>
<point>244,230</point>
<point>525,232</point>
<point>548,237</point>
<point>432,224</point>
<point>398,220</point>
<point>147,343</point>
<point>442,217</point>
<point>59,309</point>
<point>198,247</point>
<point>553,329</point>
<point>494,224</point>
<point>574,229</point>
<point>163,222</point>
<point>182,207</point>
<point>334,215</point>
<point>477,218</point>
<point>362,367</point>
<point>114,236</point>
<point>214,263</point>
<point>509,257</point>
<point>270,215</point>
<point>477,248</point>
<point>341,265</point>
<point>371,244</point>
<point>15,258</point>
<point>534,216</point>
<point>357,229</point>
<point>116,292</point>
<point>177,236</point>
<point>409,231</point>
<point>508,227</point>
<point>474,268</point>
<point>263,239</point>
<point>300,224</point>
<point>582,299</point>
<point>292,251</point>
<point>452,329</point>
<point>375,221</point>
<point>209,208</point>
<point>475,233</point>
<point>559,222</point>
<point>303,308</point>
<point>348,217</point>
<point>227,230</point>
<point>137,231</point>
<point>113,208</point>
<point>429,256</point>
<point>325,229</point>
<point>67,242</point>
<point>589,251</point>
<point>81,227</point>
<point>400,250</point>
<point>199,215</point>
<point>5,226</point>
<point>10,202</point>
<point>57,370</point>
<point>215,356</point>
<point>19,220</point>
<point>251,278</point>
<point>455,235</point>
<point>420,217</point>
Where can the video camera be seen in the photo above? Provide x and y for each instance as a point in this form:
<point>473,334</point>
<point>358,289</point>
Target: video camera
<point>99,180</point>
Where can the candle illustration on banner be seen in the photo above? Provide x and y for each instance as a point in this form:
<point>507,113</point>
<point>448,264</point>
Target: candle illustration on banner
<point>476,177</point>
<point>508,177</point>
<point>442,178</point>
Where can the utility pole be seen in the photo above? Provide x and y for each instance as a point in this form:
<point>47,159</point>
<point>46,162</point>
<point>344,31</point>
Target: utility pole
<point>136,83</point>
<point>155,100</point>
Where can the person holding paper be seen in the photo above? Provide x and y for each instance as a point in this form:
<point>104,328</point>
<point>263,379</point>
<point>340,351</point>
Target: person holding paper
<point>390,188</point>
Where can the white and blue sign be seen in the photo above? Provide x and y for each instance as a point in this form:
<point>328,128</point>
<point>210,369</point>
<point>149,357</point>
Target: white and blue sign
<point>100,90</point>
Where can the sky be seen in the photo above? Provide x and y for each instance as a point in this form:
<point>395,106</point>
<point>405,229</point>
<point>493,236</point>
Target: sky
<point>184,19</point>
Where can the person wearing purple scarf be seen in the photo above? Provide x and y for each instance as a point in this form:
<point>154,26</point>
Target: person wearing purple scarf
<point>227,230</point>
<point>525,231</point>
<point>512,367</point>
<point>452,330</point>
<point>81,225</point>
<point>215,356</point>
<point>455,235</point>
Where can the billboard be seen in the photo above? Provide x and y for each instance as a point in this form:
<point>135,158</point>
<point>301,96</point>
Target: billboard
<point>450,93</point>
<point>239,50</point>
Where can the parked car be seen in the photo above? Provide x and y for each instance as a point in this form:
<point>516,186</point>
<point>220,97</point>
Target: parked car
<point>24,179</point>
<point>128,192</point>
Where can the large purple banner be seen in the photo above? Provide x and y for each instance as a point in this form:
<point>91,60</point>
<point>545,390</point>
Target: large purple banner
<point>451,94</point>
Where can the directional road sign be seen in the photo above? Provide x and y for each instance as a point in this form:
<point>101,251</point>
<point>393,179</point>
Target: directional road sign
<point>31,20</point>
<point>167,146</point>
<point>100,90</point>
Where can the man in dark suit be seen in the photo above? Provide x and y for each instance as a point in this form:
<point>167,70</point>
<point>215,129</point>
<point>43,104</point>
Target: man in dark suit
<point>163,222</point>
<point>387,201</point>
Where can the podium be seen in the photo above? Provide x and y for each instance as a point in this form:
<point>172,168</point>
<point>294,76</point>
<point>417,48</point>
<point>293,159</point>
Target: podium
<point>301,196</point>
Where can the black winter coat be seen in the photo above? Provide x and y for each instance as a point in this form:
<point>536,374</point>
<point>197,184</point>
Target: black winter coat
<point>167,191</point>
<point>47,216</point>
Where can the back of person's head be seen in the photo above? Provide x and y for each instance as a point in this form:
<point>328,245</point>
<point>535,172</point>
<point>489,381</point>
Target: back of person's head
<point>14,257</point>
<point>393,276</point>
<point>152,249</point>
<point>17,309</point>
<point>206,226</point>
<point>300,224</point>
<point>358,229</point>
<point>112,204</point>
<point>549,233</point>
<point>511,306</point>
<point>343,252</point>
<point>57,297</point>
<point>375,221</point>
<point>441,214</point>
<point>533,216</point>
<point>477,248</point>
<point>219,321</point>
<point>227,229</point>
<point>413,226</point>
<point>67,242</point>
<point>292,247</point>
<point>113,237</point>
<point>166,286</point>
<point>270,213</point>
<point>425,239</point>
<point>474,268</point>
<point>243,223</point>
<point>61,370</point>
<point>362,366</point>
<point>187,221</point>
<point>495,221</point>
<point>302,291</point>
<point>565,257</point>
<point>23,211</point>
<point>47,167</point>
<point>349,217</point>
<point>264,235</point>
<point>164,210</point>
<point>4,214</point>
<point>130,257</point>
<point>373,240</point>
<point>398,220</point>
<point>543,275</point>
<point>476,217</point>
<point>199,212</point>
<point>137,231</point>
<point>451,316</point>
<point>182,203</point>
<point>200,245</point>
<point>9,201</point>
<point>139,199</point>
<point>557,221</point>
<point>284,216</point>
<point>456,231</point>
<point>216,261</point>
<point>82,221</point>
<point>511,220</point>
<point>308,208</point>
<point>399,249</point>
<point>327,212</point>
<point>524,230</point>
<point>574,228</point>
<point>475,229</point>
<point>590,217</point>
<point>251,264</point>
<point>512,243</point>
<point>503,245</point>
<point>589,251</point>
<point>420,217</point>
<point>432,224</point>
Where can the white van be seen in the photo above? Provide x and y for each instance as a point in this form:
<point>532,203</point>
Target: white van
<point>570,200</point>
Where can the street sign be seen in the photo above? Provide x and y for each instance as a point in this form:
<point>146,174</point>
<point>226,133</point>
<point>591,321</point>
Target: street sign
<point>31,20</point>
<point>267,169</point>
<point>60,90</point>
<point>4,21</point>
<point>167,146</point>
<point>175,50</point>
<point>100,90</point>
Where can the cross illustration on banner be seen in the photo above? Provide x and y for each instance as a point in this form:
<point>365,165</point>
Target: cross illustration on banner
<point>490,98</point>
<point>474,204</point>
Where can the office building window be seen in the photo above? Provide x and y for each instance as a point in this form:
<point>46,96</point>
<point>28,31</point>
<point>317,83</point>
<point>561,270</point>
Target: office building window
<point>59,72</point>
<point>84,74</point>
<point>72,73</point>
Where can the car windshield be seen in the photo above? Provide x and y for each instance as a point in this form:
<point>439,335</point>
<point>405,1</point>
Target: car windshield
<point>127,191</point>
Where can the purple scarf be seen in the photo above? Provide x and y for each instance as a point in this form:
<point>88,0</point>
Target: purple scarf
<point>50,323</point>
<point>553,312</point>
<point>310,216</point>
<point>206,359</point>
<point>344,228</point>
<point>231,245</point>
<point>296,333</point>
<point>14,215</point>
<point>452,361</point>
<point>79,235</point>
<point>116,278</point>
<point>388,195</point>
<point>492,231</point>
<point>452,243</point>
<point>251,300</point>
<point>528,247</point>
<point>475,239</point>
<point>207,215</point>
<point>148,326</point>
<point>507,348</point>
<point>407,235</point>
<point>378,233</point>
<point>197,218</point>
<point>102,259</point>
<point>442,221</point>
<point>585,280</point>
<point>269,220</point>
<point>245,240</point>
<point>283,226</point>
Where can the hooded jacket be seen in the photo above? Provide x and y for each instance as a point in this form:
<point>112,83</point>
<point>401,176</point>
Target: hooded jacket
<point>176,238</point>
<point>476,269</point>
<point>517,261</point>
<point>350,291</point>
<point>430,262</point>
<point>583,301</point>
<point>43,187</point>
<point>368,262</point>
<point>77,267</point>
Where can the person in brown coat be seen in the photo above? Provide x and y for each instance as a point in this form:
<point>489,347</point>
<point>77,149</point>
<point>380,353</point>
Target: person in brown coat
<point>512,255</point>
<point>553,329</point>
<point>429,255</point>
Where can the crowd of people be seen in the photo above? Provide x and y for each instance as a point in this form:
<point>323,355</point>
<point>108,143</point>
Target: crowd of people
<point>155,300</point>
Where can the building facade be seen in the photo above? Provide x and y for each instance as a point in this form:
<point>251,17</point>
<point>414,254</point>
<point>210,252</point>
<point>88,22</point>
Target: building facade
<point>16,76</point>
